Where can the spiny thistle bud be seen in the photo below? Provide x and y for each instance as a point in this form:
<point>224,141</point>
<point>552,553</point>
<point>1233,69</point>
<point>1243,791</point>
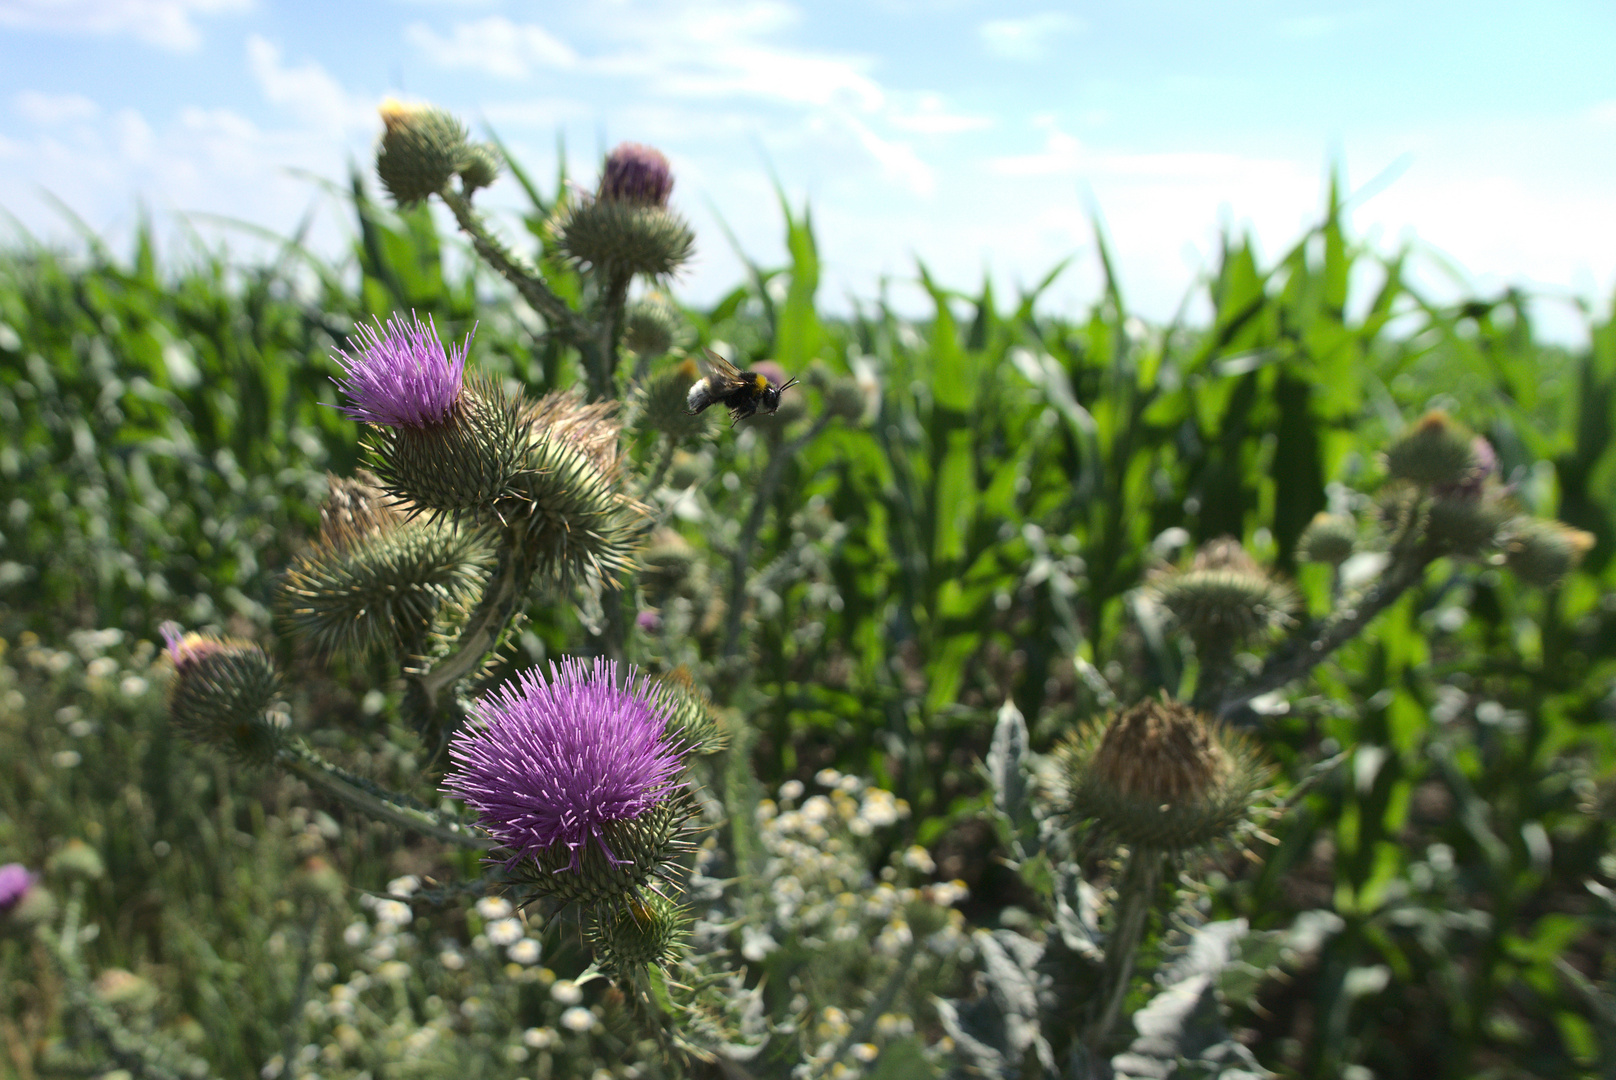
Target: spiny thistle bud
<point>652,326</point>
<point>374,579</point>
<point>846,398</point>
<point>636,174</point>
<point>76,859</point>
<point>1160,775</point>
<point>577,776</point>
<point>649,929</point>
<point>421,148</point>
<point>691,721</point>
<point>669,562</point>
<point>617,237</point>
<point>222,693</point>
<point>1542,552</point>
<point>659,403</point>
<point>1328,538</point>
<point>1435,452</point>
<point>1225,599</point>
<point>467,465</point>
<point>567,498</point>
<point>1463,524</point>
<point>481,166</point>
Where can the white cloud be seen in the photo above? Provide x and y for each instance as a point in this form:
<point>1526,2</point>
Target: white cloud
<point>494,45</point>
<point>1029,38</point>
<point>164,23</point>
<point>308,91</point>
<point>47,109</point>
<point>931,117</point>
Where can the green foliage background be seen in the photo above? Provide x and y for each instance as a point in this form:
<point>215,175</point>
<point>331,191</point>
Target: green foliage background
<point>978,534</point>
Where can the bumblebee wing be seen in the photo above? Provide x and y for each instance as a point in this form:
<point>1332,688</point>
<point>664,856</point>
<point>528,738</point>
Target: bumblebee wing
<point>722,374</point>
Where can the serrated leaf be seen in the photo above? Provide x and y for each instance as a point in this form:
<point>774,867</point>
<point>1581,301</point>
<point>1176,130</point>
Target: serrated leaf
<point>1006,762</point>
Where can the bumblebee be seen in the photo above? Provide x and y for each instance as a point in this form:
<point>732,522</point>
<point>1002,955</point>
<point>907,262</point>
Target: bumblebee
<point>741,392</point>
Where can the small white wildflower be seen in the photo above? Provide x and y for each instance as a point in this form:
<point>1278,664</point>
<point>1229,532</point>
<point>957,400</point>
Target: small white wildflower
<point>382,950</point>
<point>827,777</point>
<point>66,759</point>
<point>850,784</point>
<point>494,907</point>
<point>451,959</point>
<point>525,951</point>
<point>102,667</point>
<point>894,1026</point>
<point>132,686</point>
<point>577,1018</point>
<point>815,809</point>
<point>404,886</point>
<point>539,1038</point>
<point>894,938</point>
<point>567,992</point>
<point>916,857</point>
<point>516,1053</point>
<point>601,1074</point>
<point>866,1052</point>
<point>356,933</point>
<point>791,789</point>
<point>880,808</point>
<point>505,931</point>
<point>394,971</point>
<point>272,1068</point>
<point>324,972</point>
<point>947,893</point>
<point>393,912</point>
<point>756,943</point>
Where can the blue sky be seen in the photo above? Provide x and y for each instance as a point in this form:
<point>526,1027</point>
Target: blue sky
<point>977,137</point>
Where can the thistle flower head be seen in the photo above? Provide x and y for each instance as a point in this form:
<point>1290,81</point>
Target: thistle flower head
<point>15,881</point>
<point>401,376</point>
<point>636,174</point>
<point>574,774</point>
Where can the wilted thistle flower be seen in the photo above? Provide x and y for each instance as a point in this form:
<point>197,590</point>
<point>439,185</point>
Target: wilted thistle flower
<point>636,174</point>
<point>1435,452</point>
<point>375,578</point>
<point>403,376</point>
<point>577,775</point>
<point>1161,775</point>
<point>1541,552</point>
<point>421,148</point>
<point>222,693</point>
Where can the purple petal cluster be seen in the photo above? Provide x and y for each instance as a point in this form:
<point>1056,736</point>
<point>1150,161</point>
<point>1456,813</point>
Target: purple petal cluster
<point>549,762</point>
<point>401,375</point>
<point>185,649</point>
<point>15,881</point>
<point>637,174</point>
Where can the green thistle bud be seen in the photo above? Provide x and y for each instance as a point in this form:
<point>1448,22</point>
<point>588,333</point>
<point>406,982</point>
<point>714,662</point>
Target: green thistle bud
<point>691,718</point>
<point>1161,775</point>
<point>1225,599</point>
<point>567,499</point>
<point>669,565</point>
<point>660,403</point>
<point>1435,452</point>
<point>652,326</point>
<point>1464,525</point>
<point>845,398</point>
<point>623,237</point>
<point>1328,538</point>
<point>481,166</point>
<point>648,929</point>
<point>1542,552</point>
<point>222,695</point>
<point>467,464</point>
<point>644,846</point>
<point>375,580</point>
<point>421,148</point>
<point>689,469</point>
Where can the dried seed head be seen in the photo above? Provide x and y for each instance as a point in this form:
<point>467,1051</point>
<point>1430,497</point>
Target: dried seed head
<point>1161,775</point>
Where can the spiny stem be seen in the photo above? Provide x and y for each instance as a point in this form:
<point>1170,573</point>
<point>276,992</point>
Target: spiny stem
<point>502,595</point>
<point>1136,895</point>
<point>304,763</point>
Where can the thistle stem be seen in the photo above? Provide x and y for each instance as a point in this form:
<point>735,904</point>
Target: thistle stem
<point>741,558</point>
<point>304,763</point>
<point>517,270</point>
<point>1136,895</point>
<point>501,597</point>
<point>614,298</point>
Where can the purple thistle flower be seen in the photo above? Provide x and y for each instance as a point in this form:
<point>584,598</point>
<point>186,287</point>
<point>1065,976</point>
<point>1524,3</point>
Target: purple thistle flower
<point>15,881</point>
<point>403,377</point>
<point>553,762</point>
<point>636,174</point>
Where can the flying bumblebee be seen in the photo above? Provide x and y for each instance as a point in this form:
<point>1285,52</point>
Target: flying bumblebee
<point>741,392</point>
